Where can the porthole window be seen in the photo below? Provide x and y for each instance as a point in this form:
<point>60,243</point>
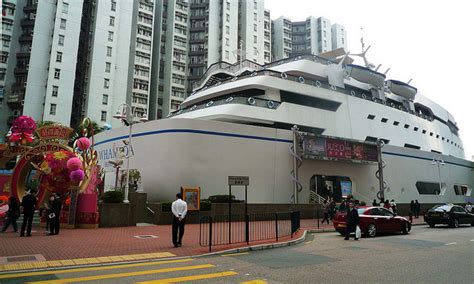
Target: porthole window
<point>210,103</point>
<point>251,101</point>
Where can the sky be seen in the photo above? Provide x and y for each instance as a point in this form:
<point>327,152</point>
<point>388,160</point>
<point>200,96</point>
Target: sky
<point>427,41</point>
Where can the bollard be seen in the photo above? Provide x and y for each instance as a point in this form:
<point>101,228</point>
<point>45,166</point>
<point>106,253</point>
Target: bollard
<point>210,233</point>
<point>276,226</point>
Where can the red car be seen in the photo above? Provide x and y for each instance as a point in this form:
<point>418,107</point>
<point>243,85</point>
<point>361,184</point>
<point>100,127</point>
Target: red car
<point>374,220</point>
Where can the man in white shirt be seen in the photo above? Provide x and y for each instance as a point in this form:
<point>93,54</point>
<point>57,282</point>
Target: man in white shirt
<point>179,209</point>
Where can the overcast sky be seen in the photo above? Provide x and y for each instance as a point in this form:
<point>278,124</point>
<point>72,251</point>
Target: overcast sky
<point>429,41</point>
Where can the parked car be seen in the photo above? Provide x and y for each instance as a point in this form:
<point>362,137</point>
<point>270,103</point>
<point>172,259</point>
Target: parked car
<point>374,220</point>
<point>449,214</point>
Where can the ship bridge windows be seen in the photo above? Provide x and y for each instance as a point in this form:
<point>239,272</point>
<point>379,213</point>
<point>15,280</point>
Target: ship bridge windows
<point>424,110</point>
<point>462,190</point>
<point>430,188</point>
<point>411,146</point>
<point>303,100</point>
<point>374,139</point>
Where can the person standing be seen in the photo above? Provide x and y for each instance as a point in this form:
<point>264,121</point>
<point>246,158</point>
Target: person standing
<point>332,209</point>
<point>393,205</point>
<point>179,209</point>
<point>374,203</point>
<point>417,209</point>
<point>468,207</point>
<point>28,203</point>
<point>13,214</point>
<point>55,210</point>
<point>352,220</point>
<point>326,211</point>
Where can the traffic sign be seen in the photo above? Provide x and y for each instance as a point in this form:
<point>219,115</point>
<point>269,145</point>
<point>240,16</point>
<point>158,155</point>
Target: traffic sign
<point>238,180</point>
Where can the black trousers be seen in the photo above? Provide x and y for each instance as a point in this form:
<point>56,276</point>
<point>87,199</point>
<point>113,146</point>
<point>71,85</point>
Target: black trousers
<point>27,218</point>
<point>54,225</point>
<point>326,217</point>
<point>178,230</point>
<point>8,221</point>
<point>349,230</point>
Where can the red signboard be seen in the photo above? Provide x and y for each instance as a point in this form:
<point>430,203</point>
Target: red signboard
<point>338,149</point>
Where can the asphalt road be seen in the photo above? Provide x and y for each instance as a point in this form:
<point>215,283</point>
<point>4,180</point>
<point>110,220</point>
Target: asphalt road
<point>426,255</point>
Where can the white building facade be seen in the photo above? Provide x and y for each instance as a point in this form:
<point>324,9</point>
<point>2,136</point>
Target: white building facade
<point>281,38</point>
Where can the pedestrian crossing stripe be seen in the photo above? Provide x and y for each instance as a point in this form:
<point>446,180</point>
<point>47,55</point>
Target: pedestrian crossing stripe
<point>75,270</point>
<point>125,274</point>
<point>190,278</point>
<point>82,261</point>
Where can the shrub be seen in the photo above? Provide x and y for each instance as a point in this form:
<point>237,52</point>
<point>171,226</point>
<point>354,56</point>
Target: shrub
<point>205,205</point>
<point>166,206</point>
<point>224,198</point>
<point>113,197</point>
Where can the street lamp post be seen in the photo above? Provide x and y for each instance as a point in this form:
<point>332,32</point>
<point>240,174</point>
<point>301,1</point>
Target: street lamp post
<point>438,162</point>
<point>126,113</point>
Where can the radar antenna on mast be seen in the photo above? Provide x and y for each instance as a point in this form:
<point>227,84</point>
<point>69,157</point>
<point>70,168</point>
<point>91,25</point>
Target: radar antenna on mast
<point>362,54</point>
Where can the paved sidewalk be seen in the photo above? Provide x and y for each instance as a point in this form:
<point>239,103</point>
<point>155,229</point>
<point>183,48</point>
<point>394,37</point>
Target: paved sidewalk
<point>84,246</point>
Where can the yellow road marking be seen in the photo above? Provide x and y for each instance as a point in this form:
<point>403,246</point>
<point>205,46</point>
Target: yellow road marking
<point>257,281</point>
<point>190,278</point>
<point>125,274</point>
<point>234,254</point>
<point>72,270</point>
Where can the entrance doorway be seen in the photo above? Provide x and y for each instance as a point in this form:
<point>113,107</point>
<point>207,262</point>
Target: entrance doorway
<point>336,187</point>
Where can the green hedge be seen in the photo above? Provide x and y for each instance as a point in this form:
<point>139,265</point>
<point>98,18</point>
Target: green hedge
<point>205,205</point>
<point>224,198</point>
<point>113,197</point>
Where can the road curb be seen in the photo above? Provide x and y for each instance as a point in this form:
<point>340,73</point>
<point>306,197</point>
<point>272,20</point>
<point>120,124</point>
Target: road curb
<point>256,247</point>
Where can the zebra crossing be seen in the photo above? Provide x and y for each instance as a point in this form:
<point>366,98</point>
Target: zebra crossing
<point>161,271</point>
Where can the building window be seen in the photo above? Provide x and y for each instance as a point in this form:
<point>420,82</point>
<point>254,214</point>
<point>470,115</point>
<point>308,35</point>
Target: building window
<point>103,116</point>
<point>113,5</point>
<point>105,99</point>
<point>62,25</point>
<point>109,51</point>
<point>111,36</point>
<point>59,56</point>
<point>57,73</point>
<point>255,16</point>
<point>462,190</point>
<point>112,21</point>
<point>107,67</point>
<point>227,17</point>
<point>52,109</point>
<point>55,91</point>
<point>61,40</point>
<point>226,54</point>
<point>65,8</point>
<point>227,29</point>
<point>255,27</point>
<point>255,52</point>
<point>227,43</point>
<point>430,188</point>
<point>106,83</point>
<point>254,39</point>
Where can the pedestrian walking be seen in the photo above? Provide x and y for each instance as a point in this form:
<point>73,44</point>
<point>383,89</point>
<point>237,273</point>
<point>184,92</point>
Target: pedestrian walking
<point>13,214</point>
<point>417,209</point>
<point>352,221</point>
<point>28,203</point>
<point>326,211</point>
<point>332,209</point>
<point>412,207</point>
<point>179,209</point>
<point>393,205</point>
<point>468,207</point>
<point>387,206</point>
<point>55,211</point>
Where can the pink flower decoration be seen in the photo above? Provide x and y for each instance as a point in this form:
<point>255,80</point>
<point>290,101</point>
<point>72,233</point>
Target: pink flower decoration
<point>83,143</point>
<point>77,175</point>
<point>74,164</point>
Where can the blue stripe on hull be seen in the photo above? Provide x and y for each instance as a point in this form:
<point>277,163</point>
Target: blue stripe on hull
<point>222,134</point>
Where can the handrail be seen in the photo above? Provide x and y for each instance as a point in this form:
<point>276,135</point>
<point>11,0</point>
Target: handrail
<point>150,210</point>
<point>313,196</point>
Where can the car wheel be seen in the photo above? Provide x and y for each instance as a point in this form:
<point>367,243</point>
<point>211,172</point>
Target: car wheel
<point>371,230</point>
<point>431,225</point>
<point>404,228</point>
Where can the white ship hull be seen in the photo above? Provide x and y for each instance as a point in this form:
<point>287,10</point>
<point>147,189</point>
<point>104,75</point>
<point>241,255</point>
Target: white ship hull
<point>189,152</point>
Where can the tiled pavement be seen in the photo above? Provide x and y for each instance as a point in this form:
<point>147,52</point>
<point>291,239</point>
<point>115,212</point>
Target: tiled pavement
<point>118,244</point>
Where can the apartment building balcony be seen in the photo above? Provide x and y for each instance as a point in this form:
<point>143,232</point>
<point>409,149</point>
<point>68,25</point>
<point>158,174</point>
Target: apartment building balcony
<point>30,8</point>
<point>198,29</point>
<point>27,23</point>
<point>21,70</point>
<point>15,99</point>
<point>26,37</point>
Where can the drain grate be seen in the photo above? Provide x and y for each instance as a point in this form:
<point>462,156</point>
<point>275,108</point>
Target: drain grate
<point>142,237</point>
<point>21,258</point>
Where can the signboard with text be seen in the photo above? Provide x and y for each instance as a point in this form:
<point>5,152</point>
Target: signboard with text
<point>238,180</point>
<point>329,148</point>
